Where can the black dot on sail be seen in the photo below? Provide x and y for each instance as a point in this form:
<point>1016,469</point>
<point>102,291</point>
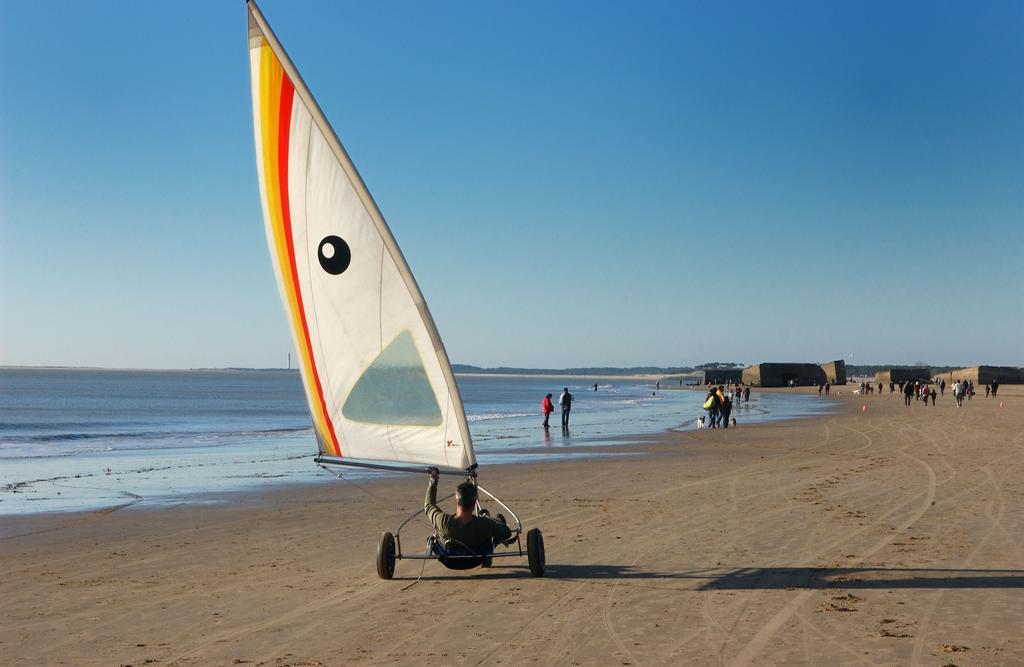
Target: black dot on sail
<point>334,254</point>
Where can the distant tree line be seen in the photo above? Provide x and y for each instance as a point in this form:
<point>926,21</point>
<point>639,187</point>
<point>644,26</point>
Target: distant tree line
<point>851,370</point>
<point>598,370</point>
<point>590,370</point>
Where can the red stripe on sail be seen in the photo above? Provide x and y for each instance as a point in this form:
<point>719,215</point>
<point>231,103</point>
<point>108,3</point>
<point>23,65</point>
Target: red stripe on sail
<point>284,124</point>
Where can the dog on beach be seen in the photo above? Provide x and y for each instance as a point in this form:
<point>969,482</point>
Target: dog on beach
<point>734,422</point>
<point>700,421</point>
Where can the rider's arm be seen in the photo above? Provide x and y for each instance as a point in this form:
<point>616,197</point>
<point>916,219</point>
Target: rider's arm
<point>430,508</point>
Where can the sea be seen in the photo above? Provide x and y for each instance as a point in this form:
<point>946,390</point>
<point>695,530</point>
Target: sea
<point>89,439</point>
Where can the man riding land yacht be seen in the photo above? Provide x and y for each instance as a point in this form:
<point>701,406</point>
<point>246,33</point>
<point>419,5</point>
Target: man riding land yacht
<point>464,528</point>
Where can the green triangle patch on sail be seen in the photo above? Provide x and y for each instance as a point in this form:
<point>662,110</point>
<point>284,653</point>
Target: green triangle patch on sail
<point>394,389</point>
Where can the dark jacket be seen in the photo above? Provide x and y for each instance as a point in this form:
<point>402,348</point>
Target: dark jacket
<point>475,535</point>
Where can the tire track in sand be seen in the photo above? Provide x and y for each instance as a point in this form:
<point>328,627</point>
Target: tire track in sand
<point>757,643</point>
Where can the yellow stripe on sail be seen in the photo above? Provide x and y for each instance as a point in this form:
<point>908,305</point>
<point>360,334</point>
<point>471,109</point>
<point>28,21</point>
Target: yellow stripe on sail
<point>271,79</point>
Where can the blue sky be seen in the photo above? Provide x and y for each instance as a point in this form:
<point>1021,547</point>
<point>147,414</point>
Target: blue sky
<point>573,184</point>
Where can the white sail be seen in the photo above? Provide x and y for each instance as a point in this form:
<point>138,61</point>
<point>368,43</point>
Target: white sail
<point>377,378</point>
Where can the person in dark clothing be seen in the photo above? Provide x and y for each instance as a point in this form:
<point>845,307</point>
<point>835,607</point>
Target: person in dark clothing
<point>565,402</point>
<point>726,411</point>
<point>908,393</point>
<point>465,528</point>
<point>746,394</point>
<point>828,386</point>
<point>995,388</point>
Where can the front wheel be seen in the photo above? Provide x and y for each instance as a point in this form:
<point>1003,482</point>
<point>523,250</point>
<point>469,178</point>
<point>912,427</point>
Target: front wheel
<point>535,551</point>
<point>386,555</point>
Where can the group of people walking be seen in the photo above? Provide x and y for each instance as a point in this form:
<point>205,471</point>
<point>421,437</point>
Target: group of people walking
<point>564,402</point>
<point>719,404</point>
<point>965,389</point>
<point>922,391</point>
<point>918,392</point>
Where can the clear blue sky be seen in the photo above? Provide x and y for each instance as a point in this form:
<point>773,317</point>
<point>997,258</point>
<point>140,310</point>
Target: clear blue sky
<point>573,184</point>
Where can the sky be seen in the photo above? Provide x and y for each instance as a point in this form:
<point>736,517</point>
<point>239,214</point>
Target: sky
<point>573,183</point>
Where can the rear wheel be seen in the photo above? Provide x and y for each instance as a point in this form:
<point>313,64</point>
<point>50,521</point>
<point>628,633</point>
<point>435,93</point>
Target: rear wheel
<point>535,551</point>
<point>386,555</point>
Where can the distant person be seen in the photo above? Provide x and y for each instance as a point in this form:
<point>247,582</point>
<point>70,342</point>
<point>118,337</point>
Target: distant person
<point>821,387</point>
<point>942,387</point>
<point>933,396</point>
<point>828,386</point>
<point>746,394</point>
<point>565,402</point>
<point>879,388</point>
<point>970,389</point>
<point>547,408</point>
<point>892,386</point>
<point>908,393</point>
<point>958,396</point>
<point>595,386</point>
<point>995,388</point>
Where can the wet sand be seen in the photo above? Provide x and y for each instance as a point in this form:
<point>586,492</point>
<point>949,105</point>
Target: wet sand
<point>894,535</point>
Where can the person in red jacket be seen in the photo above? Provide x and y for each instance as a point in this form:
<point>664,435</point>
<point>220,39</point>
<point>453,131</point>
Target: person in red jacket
<point>547,407</point>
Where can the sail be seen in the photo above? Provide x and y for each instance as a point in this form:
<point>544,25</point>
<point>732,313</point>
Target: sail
<point>376,375</point>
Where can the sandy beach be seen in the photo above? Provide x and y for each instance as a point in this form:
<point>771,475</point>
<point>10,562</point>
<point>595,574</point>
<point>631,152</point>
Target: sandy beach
<point>887,536</point>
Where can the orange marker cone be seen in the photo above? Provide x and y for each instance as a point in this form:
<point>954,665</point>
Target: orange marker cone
<point>1001,404</point>
<point>864,408</point>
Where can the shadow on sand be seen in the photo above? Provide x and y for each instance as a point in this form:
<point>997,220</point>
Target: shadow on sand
<point>766,578</point>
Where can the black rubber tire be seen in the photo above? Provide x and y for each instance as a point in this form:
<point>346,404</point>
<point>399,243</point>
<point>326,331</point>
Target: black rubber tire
<point>386,556</point>
<point>535,551</point>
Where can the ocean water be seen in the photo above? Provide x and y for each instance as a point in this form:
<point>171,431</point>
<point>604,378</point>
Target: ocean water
<point>88,439</point>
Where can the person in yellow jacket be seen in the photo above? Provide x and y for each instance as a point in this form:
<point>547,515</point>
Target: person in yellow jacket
<point>713,403</point>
